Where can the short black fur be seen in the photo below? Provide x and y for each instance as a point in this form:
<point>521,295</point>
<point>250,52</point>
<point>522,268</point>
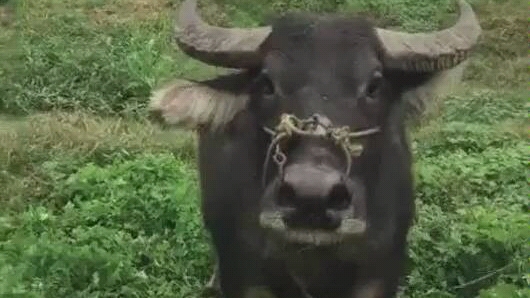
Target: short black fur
<point>314,65</point>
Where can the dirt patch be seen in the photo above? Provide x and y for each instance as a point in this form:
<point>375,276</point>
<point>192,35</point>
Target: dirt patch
<point>505,27</point>
<point>127,11</point>
<point>7,15</point>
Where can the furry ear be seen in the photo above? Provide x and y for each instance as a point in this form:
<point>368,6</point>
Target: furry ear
<point>192,105</point>
<point>419,99</point>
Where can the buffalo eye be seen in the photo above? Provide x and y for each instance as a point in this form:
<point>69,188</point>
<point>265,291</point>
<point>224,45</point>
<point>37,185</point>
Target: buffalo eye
<point>264,93</point>
<point>369,96</point>
<point>268,88</point>
<point>267,85</point>
<point>374,85</point>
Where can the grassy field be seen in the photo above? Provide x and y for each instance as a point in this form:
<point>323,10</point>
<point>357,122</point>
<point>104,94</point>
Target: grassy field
<point>97,202</point>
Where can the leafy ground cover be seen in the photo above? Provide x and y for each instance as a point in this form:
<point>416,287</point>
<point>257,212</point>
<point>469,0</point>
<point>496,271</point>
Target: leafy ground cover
<point>96,202</point>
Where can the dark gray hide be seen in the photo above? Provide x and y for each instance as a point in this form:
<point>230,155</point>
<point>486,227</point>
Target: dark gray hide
<point>322,222</point>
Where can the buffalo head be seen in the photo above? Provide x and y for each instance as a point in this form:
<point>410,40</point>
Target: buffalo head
<point>334,72</point>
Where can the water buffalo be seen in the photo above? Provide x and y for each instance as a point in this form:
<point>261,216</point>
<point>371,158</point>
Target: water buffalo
<point>305,166</point>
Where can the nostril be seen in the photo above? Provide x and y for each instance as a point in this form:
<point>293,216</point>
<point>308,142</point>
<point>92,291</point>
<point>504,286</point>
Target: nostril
<point>286,195</point>
<point>339,197</point>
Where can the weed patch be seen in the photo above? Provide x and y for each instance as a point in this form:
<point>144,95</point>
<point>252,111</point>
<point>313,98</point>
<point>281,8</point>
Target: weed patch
<point>127,229</point>
<point>469,244</point>
<point>37,150</point>
<point>486,106</point>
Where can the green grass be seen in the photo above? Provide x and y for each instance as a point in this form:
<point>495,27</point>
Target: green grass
<point>97,202</point>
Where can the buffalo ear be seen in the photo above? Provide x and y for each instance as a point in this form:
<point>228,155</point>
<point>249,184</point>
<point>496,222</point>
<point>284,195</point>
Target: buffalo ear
<point>191,105</point>
<point>438,85</point>
<point>421,93</point>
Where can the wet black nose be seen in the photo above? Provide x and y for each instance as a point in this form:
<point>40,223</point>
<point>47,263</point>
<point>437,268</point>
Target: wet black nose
<point>312,192</point>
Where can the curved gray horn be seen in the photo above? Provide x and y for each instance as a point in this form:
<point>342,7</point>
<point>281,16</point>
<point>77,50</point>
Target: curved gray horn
<point>225,47</point>
<point>434,51</point>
